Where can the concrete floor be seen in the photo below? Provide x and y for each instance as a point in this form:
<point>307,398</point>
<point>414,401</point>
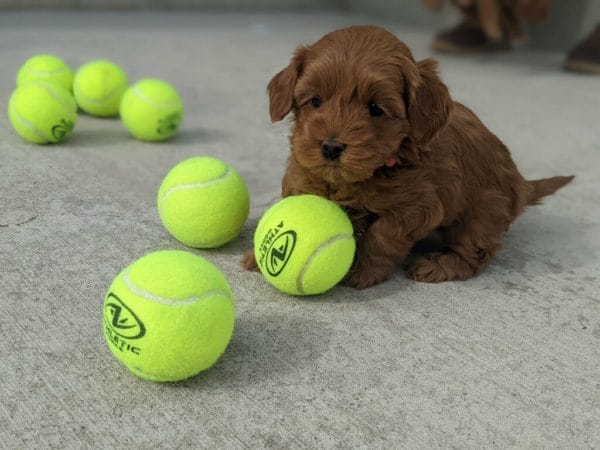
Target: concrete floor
<point>509,359</point>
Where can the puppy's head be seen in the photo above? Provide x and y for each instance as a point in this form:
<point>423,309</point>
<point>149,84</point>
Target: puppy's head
<point>359,100</point>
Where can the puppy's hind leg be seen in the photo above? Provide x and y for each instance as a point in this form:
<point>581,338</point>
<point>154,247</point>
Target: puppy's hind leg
<point>471,242</point>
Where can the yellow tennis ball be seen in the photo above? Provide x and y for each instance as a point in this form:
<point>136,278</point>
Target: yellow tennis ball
<point>203,202</point>
<point>98,87</point>
<point>42,112</point>
<point>304,245</point>
<point>151,110</point>
<point>48,68</point>
<point>169,315</point>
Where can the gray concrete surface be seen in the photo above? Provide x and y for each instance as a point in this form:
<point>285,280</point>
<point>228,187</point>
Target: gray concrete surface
<point>509,359</point>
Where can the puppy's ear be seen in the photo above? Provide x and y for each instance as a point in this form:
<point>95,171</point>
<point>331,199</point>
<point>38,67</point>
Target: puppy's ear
<point>281,87</point>
<point>429,103</point>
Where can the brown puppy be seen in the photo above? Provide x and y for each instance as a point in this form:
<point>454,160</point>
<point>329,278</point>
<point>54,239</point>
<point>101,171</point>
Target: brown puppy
<point>378,133</point>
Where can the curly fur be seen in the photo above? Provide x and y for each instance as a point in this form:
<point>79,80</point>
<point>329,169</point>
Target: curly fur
<point>426,166</point>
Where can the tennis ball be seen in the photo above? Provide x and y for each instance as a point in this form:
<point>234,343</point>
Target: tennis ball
<point>304,244</point>
<point>151,110</point>
<point>169,315</point>
<point>42,112</point>
<point>203,202</point>
<point>98,87</point>
<point>48,68</point>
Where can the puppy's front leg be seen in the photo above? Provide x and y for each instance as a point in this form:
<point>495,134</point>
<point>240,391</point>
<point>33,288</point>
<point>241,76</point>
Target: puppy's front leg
<point>379,250</point>
<point>389,239</point>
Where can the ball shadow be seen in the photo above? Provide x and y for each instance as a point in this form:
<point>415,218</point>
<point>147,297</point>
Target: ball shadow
<point>265,347</point>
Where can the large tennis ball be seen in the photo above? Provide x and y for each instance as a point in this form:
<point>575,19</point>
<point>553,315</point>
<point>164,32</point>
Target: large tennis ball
<point>304,244</point>
<point>151,110</point>
<point>98,87</point>
<point>48,68</point>
<point>42,112</point>
<point>203,202</point>
<point>169,315</point>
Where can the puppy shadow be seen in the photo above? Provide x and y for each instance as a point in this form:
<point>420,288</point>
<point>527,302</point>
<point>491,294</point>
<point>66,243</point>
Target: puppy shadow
<point>266,347</point>
<point>537,244</point>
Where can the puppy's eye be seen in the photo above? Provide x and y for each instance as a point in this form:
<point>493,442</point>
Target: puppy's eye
<point>315,102</point>
<point>375,110</point>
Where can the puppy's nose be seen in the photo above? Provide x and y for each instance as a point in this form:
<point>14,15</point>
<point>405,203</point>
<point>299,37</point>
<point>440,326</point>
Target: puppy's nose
<point>332,149</point>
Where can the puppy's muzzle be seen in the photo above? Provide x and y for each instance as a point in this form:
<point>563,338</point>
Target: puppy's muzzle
<point>332,149</point>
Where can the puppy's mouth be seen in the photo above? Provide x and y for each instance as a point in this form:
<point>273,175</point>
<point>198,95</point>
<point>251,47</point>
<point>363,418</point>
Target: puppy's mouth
<point>347,169</point>
<point>333,172</point>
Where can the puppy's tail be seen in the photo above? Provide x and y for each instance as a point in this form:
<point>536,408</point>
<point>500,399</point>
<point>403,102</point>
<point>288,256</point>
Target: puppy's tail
<point>546,186</point>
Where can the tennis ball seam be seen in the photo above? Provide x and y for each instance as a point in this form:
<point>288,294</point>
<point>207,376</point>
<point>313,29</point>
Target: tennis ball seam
<point>144,98</point>
<point>168,301</point>
<point>145,374</point>
<point>28,124</point>
<point>47,72</point>
<point>315,253</point>
<point>228,173</point>
<point>56,96</point>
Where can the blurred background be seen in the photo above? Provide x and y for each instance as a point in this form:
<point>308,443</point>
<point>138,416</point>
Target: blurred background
<point>567,22</point>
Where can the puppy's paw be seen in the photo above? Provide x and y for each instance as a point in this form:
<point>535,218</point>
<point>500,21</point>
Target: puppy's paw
<point>364,278</point>
<point>439,267</point>
<point>249,261</point>
<point>428,270</point>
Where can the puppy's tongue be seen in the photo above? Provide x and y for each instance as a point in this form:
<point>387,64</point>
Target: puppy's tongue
<point>391,162</point>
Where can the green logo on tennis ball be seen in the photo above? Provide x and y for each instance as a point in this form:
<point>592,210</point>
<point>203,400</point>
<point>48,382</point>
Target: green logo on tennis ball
<point>121,319</point>
<point>168,124</point>
<point>280,252</point>
<point>63,128</point>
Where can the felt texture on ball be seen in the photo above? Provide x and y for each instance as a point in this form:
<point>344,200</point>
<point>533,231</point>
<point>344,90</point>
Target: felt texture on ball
<point>169,315</point>
<point>98,87</point>
<point>151,110</point>
<point>42,112</point>
<point>203,202</point>
<point>304,245</point>
<point>47,68</point>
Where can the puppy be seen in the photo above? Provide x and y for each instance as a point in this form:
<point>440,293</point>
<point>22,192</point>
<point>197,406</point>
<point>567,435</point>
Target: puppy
<point>377,132</point>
